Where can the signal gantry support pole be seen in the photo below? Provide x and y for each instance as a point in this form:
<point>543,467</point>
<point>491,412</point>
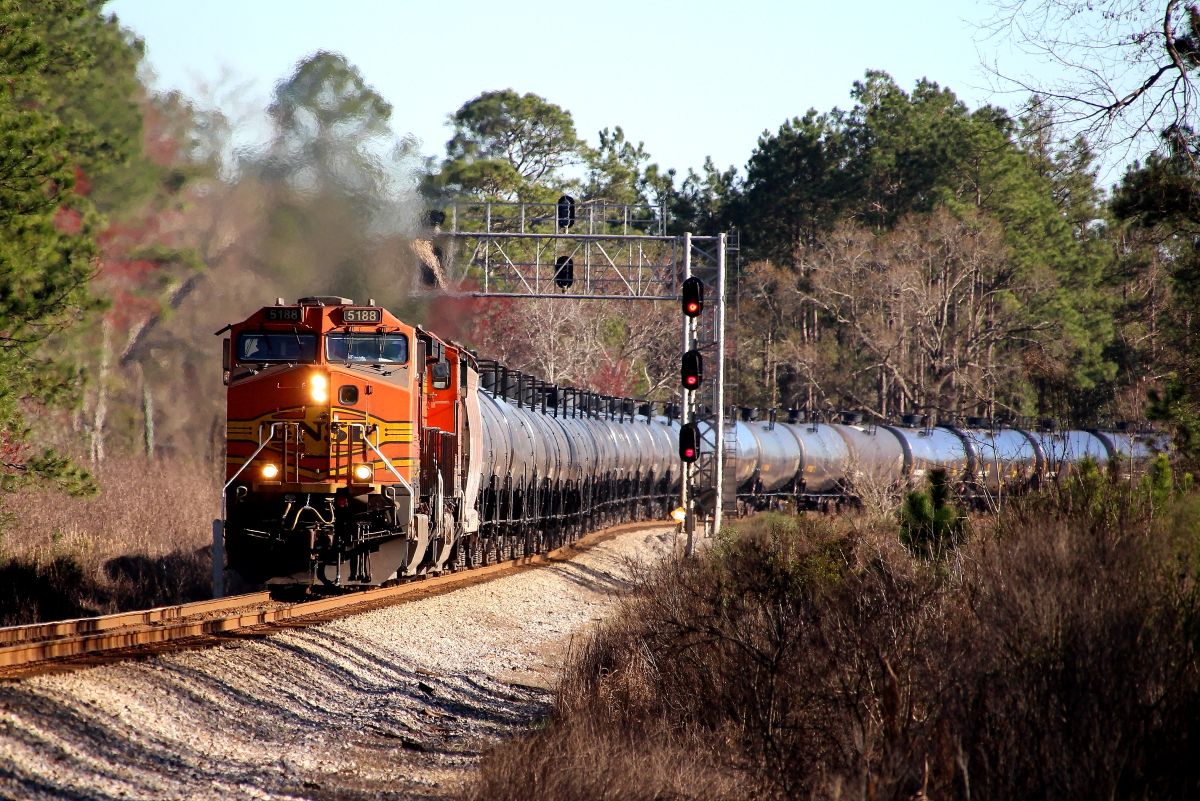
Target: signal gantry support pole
<point>705,483</point>
<point>719,484</point>
<point>687,400</point>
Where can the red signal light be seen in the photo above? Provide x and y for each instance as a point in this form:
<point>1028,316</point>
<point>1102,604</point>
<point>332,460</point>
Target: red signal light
<point>693,297</point>
<point>689,442</point>
<point>692,372</point>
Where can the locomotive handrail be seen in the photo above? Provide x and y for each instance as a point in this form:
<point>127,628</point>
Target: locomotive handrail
<point>254,455</point>
<point>383,458</point>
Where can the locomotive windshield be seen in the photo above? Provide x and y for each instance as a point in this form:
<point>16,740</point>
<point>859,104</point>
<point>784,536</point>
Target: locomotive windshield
<point>366,348</point>
<point>276,346</point>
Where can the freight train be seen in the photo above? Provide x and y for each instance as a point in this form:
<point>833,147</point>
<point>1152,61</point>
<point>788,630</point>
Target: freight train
<point>363,451</point>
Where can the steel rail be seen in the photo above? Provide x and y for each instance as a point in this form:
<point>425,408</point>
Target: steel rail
<point>124,620</point>
<point>24,648</point>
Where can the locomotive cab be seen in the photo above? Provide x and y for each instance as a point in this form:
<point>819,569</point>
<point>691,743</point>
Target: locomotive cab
<point>327,482</point>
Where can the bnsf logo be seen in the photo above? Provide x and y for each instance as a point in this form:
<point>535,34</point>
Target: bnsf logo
<point>318,431</point>
<point>362,315</point>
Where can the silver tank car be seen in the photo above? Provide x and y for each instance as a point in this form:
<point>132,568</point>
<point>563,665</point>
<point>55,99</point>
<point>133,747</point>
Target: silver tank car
<point>554,462</point>
<point>578,459</point>
<point>984,461</point>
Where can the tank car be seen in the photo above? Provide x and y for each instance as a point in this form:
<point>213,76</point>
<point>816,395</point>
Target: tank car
<point>985,461</point>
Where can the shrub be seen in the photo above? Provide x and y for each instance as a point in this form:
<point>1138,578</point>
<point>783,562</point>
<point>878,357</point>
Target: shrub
<point>805,657</point>
<point>144,540</point>
<point>930,525</point>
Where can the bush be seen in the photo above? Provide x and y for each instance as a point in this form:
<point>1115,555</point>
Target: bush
<point>1055,657</point>
<point>143,541</point>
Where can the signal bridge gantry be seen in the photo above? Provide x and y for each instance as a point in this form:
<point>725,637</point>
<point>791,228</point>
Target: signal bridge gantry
<point>602,251</point>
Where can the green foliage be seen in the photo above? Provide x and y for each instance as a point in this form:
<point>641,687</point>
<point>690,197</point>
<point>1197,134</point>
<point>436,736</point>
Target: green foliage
<point>898,157</point>
<point>1160,201</point>
<point>619,172</point>
<point>66,122</point>
<point>508,146</point>
<point>795,188</point>
<point>704,203</point>
<point>50,469</point>
<point>776,556</point>
<point>930,525</point>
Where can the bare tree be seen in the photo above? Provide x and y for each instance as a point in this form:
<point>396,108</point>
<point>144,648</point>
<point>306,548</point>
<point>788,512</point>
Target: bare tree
<point>1129,66</point>
<point>932,314</point>
<point>618,348</point>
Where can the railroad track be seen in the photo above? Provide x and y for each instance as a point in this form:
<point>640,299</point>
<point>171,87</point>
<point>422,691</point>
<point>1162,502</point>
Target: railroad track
<point>72,644</point>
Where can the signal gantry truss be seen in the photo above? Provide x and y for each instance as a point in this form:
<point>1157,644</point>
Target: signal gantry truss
<point>601,251</point>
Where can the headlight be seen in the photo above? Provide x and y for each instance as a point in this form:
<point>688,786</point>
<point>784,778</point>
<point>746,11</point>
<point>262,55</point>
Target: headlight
<point>316,387</point>
<point>270,471</point>
<point>364,472</point>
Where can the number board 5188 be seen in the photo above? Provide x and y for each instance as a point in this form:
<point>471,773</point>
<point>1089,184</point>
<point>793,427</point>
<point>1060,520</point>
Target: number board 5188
<point>362,315</point>
<point>283,314</point>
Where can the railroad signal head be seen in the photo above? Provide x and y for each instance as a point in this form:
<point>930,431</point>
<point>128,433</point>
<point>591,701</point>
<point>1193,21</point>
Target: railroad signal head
<point>693,369</point>
<point>564,272</point>
<point>689,442</point>
<point>693,297</point>
<point>566,211</point>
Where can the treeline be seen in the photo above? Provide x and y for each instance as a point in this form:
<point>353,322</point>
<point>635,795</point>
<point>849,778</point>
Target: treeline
<point>135,225</point>
<point>908,254</point>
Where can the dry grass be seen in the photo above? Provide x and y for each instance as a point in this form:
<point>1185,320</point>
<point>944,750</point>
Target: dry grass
<point>144,541</point>
<point>1052,655</point>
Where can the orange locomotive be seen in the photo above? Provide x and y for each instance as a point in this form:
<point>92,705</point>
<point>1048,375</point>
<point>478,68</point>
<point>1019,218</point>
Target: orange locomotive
<point>329,404</point>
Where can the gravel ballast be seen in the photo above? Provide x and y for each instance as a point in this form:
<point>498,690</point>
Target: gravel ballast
<point>393,703</point>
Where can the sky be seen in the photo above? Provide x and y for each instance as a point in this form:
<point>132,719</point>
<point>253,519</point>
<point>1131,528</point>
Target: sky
<point>689,79</point>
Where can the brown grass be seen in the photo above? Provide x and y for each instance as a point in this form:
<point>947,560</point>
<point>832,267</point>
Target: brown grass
<point>1052,655</point>
<point>145,540</point>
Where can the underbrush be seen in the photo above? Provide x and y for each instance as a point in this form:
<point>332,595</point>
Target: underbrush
<point>1051,652</point>
<point>145,540</point>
